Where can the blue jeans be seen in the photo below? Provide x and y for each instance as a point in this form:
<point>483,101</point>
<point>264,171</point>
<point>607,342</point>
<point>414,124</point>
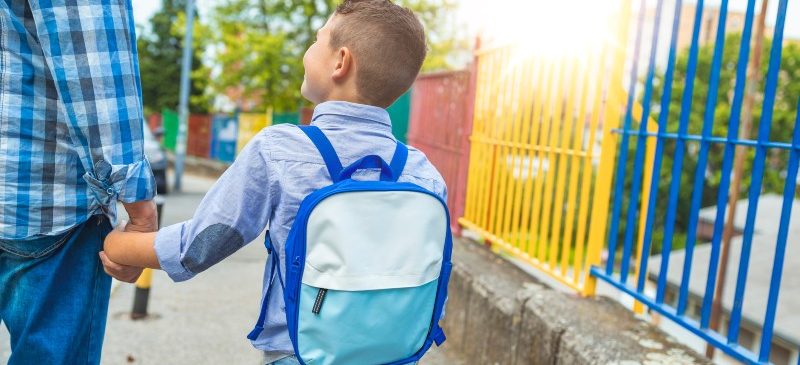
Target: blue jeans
<point>54,296</point>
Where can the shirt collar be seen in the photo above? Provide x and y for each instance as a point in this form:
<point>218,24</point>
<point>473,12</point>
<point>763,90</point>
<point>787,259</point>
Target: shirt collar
<point>350,112</point>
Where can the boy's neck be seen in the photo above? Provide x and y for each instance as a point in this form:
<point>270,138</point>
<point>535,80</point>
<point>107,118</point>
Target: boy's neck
<point>354,100</point>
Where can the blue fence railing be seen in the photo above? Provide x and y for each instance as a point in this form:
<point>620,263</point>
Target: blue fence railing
<point>626,193</point>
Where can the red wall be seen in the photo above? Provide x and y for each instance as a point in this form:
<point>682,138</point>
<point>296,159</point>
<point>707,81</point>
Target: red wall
<point>440,125</point>
<point>198,141</point>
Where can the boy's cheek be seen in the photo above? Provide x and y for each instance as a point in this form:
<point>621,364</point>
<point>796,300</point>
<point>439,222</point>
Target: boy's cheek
<point>310,91</point>
<point>304,89</point>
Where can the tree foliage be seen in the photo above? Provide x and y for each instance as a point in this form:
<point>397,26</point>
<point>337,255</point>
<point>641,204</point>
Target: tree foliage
<point>160,52</point>
<point>261,45</point>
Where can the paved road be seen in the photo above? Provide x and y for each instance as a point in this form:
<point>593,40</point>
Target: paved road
<point>202,321</point>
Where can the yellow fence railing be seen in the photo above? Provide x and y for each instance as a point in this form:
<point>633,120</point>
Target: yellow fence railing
<point>542,153</point>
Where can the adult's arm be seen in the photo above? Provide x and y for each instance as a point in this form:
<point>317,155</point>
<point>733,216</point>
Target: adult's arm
<point>90,52</point>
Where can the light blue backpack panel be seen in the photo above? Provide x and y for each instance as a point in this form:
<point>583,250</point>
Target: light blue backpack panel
<point>367,263</point>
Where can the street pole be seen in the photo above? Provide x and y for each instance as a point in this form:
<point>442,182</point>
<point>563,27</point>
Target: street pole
<point>183,108</point>
<point>754,78</point>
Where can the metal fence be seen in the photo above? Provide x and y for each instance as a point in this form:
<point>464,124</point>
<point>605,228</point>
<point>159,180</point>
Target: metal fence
<point>561,170</point>
<point>542,152</point>
<point>681,141</point>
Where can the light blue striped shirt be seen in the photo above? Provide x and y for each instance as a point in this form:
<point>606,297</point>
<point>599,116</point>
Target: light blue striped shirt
<point>265,186</point>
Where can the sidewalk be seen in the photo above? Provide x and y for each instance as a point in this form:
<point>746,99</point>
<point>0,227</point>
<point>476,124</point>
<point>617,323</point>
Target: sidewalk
<point>201,321</point>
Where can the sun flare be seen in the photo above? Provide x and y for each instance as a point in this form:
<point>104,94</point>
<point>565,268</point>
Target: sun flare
<point>548,27</point>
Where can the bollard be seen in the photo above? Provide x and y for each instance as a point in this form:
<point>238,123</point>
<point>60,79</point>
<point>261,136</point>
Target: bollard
<point>142,293</point>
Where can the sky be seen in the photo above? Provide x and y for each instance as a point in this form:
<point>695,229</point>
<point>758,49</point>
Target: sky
<point>496,14</point>
<point>482,14</point>
<point>144,9</point>
<point>522,21</point>
<point>792,18</point>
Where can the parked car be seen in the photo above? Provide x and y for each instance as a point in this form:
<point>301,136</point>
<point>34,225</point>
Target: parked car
<point>158,160</point>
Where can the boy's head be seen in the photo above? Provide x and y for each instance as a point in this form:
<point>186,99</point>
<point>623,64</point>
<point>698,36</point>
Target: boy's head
<point>369,51</point>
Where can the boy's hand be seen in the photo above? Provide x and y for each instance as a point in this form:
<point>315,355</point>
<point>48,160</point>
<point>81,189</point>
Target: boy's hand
<point>128,274</point>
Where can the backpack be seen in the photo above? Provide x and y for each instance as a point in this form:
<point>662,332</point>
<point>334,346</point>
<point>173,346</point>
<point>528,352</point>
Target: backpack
<point>367,266</point>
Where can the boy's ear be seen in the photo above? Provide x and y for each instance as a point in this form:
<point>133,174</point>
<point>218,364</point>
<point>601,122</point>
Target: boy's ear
<point>344,64</point>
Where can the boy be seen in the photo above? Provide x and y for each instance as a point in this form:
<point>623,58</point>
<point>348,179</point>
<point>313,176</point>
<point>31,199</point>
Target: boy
<point>366,56</point>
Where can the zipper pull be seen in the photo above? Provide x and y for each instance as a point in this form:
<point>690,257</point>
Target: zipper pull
<point>318,303</point>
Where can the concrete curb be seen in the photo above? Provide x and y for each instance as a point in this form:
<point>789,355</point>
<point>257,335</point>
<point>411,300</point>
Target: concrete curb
<point>497,314</point>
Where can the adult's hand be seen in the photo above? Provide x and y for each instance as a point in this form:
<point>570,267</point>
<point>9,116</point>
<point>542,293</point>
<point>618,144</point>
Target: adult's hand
<point>128,274</point>
<point>142,216</point>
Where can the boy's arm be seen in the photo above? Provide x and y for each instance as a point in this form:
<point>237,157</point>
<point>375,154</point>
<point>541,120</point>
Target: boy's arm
<point>132,249</point>
<point>232,214</point>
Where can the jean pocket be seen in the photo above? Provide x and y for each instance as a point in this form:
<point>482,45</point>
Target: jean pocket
<point>36,247</point>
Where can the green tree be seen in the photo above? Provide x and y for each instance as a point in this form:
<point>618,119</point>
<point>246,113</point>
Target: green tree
<point>160,52</point>
<point>782,127</point>
<point>261,45</point>
<point>444,41</point>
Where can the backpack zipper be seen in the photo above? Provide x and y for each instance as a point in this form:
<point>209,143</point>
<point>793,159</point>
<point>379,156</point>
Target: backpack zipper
<point>318,302</point>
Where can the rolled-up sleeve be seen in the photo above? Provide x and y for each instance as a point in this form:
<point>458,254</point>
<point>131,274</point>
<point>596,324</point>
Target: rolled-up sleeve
<point>91,56</point>
<point>232,214</point>
<point>168,249</point>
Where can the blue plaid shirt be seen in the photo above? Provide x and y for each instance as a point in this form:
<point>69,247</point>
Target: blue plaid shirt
<point>71,141</point>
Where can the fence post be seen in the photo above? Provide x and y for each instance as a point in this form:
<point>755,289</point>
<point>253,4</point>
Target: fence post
<point>611,117</point>
<point>464,158</point>
<point>754,76</point>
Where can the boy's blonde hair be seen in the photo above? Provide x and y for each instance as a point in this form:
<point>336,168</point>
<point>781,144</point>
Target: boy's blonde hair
<point>388,44</point>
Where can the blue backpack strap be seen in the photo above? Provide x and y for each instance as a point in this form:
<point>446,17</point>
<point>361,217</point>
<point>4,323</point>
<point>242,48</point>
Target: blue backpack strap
<point>333,163</point>
<point>399,159</point>
<point>437,333</point>
<point>438,336</point>
<point>389,172</point>
<point>325,149</point>
<point>369,162</point>
<point>274,268</point>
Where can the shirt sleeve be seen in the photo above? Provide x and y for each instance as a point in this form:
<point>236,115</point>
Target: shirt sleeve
<point>90,52</point>
<point>233,213</point>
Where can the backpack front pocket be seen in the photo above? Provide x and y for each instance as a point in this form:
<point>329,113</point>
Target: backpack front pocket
<point>363,327</point>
